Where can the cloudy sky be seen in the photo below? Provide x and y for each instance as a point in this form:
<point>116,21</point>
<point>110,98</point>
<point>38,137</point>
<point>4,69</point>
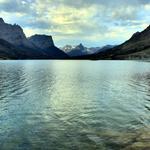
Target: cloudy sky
<point>91,22</point>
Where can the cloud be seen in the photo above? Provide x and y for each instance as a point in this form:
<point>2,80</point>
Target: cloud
<point>74,20</point>
<point>21,6</point>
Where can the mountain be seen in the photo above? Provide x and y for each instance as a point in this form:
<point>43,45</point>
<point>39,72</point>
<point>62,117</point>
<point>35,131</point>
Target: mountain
<point>9,51</point>
<point>67,48</point>
<point>12,36</point>
<point>15,45</point>
<point>79,50</point>
<point>46,44</point>
<point>105,48</point>
<point>137,47</point>
<point>93,50</point>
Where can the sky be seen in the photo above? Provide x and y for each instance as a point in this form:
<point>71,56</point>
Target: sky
<point>91,22</point>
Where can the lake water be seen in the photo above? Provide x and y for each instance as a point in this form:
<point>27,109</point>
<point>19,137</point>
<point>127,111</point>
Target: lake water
<point>74,105</point>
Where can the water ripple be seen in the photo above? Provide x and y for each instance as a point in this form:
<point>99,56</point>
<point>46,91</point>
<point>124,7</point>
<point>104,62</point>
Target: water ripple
<point>74,105</point>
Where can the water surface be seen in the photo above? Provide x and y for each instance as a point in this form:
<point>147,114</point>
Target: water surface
<point>74,105</point>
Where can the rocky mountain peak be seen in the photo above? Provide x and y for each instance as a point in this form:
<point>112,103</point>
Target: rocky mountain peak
<point>1,20</point>
<point>14,44</point>
<point>42,41</point>
<point>80,46</point>
<point>13,34</point>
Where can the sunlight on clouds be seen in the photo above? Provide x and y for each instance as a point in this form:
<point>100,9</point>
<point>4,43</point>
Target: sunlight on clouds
<point>91,21</point>
<point>64,20</point>
<point>64,15</point>
<point>2,1</point>
<point>147,7</point>
<point>29,32</point>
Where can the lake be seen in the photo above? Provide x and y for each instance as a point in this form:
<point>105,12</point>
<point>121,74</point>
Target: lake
<point>74,105</point>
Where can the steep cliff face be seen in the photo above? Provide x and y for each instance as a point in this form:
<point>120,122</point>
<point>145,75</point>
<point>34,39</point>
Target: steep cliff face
<point>16,39</point>
<point>15,45</point>
<point>42,41</point>
<point>14,34</point>
<point>46,44</point>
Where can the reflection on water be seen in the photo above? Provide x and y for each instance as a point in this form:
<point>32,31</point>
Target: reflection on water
<point>74,105</point>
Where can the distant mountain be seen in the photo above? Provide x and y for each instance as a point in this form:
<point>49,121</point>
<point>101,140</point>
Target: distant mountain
<point>67,48</point>
<point>137,47</point>
<point>13,37</point>
<point>105,48</point>
<point>93,50</point>
<point>79,50</point>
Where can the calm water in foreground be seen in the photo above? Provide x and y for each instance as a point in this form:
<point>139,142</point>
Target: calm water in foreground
<point>74,105</point>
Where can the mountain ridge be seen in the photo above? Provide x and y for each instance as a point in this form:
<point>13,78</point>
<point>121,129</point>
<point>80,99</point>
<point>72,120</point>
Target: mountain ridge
<point>26,48</point>
<point>81,50</point>
<point>15,45</point>
<point>136,47</point>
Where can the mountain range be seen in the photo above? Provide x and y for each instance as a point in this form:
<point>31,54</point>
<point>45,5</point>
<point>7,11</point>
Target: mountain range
<point>15,45</point>
<point>78,50</point>
<point>81,50</point>
<point>137,47</point>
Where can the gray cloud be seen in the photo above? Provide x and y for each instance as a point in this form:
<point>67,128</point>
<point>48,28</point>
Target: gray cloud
<point>107,3</point>
<point>33,23</point>
<point>16,6</point>
<point>77,18</point>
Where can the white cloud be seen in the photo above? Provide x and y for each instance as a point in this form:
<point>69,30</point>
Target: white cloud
<point>91,21</point>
